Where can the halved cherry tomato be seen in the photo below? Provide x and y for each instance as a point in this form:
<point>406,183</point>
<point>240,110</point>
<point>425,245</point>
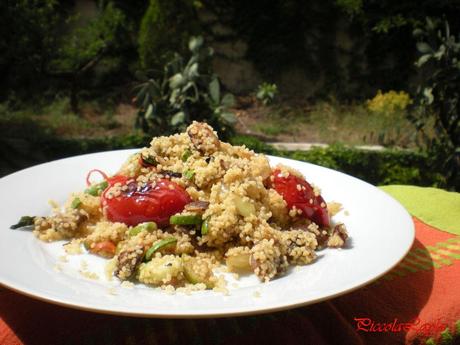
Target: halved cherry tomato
<point>155,202</point>
<point>299,193</point>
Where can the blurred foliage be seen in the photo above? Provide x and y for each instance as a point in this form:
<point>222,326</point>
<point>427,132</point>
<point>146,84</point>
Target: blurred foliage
<point>253,144</point>
<point>266,93</point>
<point>386,29</point>
<point>27,39</point>
<point>281,34</point>
<point>186,91</point>
<point>86,47</point>
<point>349,45</point>
<point>81,45</point>
<point>376,167</point>
<point>386,24</point>
<point>389,15</point>
<point>438,95</point>
<point>24,143</point>
<point>351,7</point>
<point>48,47</point>
<point>389,102</point>
<point>166,27</point>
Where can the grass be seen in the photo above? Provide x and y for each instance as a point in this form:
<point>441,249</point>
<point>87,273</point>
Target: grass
<point>59,132</point>
<point>94,119</point>
<point>59,118</point>
<point>330,122</point>
<point>355,124</point>
<point>273,128</point>
<point>279,120</point>
<point>324,122</point>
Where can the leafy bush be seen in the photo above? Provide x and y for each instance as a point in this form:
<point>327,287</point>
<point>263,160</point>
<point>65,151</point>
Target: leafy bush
<point>376,167</point>
<point>379,168</point>
<point>186,91</point>
<point>253,144</point>
<point>266,93</point>
<point>389,109</point>
<point>39,145</point>
<point>389,102</point>
<point>438,96</point>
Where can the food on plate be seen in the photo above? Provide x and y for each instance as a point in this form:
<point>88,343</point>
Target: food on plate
<point>178,210</point>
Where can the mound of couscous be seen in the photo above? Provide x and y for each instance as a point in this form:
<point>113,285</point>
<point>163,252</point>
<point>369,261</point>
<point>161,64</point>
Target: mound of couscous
<point>189,203</point>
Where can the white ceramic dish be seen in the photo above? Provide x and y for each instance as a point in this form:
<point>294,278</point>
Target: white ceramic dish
<point>381,234</point>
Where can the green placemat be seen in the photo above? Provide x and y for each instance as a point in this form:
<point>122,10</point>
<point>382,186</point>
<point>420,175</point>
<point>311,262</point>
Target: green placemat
<point>433,206</point>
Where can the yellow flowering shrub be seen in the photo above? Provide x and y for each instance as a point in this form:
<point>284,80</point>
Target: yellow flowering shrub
<point>389,102</point>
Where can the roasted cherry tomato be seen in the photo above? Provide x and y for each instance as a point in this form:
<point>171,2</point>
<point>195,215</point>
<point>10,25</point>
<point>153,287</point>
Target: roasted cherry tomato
<point>135,204</point>
<point>105,248</point>
<point>299,193</point>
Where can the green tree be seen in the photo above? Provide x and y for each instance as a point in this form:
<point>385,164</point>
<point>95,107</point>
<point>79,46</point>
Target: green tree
<point>438,96</point>
<point>166,27</point>
<point>387,27</point>
<point>27,40</point>
<point>84,48</point>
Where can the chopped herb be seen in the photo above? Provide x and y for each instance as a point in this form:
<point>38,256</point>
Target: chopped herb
<point>186,155</point>
<point>97,189</point>
<point>188,219</point>
<point>189,174</point>
<point>24,221</point>
<point>76,203</point>
<point>163,243</point>
<point>148,161</point>
<point>147,226</point>
<point>205,227</point>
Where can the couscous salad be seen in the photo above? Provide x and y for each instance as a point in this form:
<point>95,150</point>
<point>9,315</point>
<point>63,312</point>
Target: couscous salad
<point>189,203</point>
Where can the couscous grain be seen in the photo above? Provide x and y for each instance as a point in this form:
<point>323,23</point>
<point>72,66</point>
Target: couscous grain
<point>187,204</point>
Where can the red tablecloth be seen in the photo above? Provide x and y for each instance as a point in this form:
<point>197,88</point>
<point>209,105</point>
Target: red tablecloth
<point>416,302</point>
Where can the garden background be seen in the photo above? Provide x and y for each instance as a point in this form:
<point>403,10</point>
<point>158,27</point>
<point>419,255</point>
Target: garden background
<point>84,76</point>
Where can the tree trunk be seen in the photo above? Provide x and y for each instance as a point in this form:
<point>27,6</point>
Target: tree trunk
<point>74,96</point>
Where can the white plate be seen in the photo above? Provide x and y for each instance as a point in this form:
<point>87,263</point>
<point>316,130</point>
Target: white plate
<point>381,234</point>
